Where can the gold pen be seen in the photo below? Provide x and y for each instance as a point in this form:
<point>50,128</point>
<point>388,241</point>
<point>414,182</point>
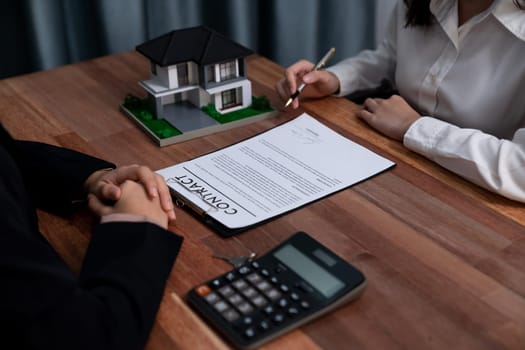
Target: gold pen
<point>318,66</point>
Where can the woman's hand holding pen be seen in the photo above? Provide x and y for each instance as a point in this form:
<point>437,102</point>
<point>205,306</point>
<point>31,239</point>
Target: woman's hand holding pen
<point>319,83</point>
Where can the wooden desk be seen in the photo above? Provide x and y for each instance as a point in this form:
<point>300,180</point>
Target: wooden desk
<point>445,260</point>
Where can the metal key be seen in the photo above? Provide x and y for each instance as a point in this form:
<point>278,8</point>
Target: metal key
<point>236,261</point>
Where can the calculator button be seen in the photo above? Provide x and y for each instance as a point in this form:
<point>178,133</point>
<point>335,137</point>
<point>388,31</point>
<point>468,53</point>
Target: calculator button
<point>274,280</point>
<point>244,270</point>
<point>221,306</point>
<point>265,273</point>
<point>254,278</point>
<point>240,284</point>
<point>250,293</point>
<point>202,290</point>
<point>293,311</point>
<point>273,294</point>
<point>268,310</point>
<point>230,315</point>
<point>230,276</point>
<point>264,285</point>
<point>247,320</point>
<point>278,318</point>
<point>249,333</point>
<point>305,305</point>
<point>294,296</point>
<point>245,308</point>
<point>283,302</point>
<point>255,264</point>
<point>235,299</point>
<point>226,291</point>
<point>264,325</point>
<point>284,288</point>
<point>259,301</point>
<point>212,298</point>
<point>216,283</point>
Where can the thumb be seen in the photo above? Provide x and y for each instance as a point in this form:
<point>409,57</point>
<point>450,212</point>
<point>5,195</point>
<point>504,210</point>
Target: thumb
<point>109,191</point>
<point>97,207</point>
<point>312,77</point>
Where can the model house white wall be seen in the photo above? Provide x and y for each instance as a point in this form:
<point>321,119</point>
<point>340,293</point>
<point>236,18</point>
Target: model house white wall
<point>169,76</point>
<point>224,78</point>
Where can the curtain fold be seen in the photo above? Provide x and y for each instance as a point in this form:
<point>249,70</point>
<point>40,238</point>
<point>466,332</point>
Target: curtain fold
<point>50,33</point>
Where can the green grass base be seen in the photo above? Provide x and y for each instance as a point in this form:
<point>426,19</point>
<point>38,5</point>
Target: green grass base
<point>163,129</point>
<point>260,104</point>
<point>139,108</point>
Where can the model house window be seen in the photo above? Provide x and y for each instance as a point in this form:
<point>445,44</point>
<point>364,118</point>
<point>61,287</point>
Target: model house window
<point>228,70</point>
<point>229,98</point>
<point>182,74</point>
<point>210,74</point>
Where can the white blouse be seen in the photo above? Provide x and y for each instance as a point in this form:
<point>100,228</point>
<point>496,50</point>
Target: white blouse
<point>468,82</point>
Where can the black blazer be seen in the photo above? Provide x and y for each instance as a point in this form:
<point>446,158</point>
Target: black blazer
<point>112,303</point>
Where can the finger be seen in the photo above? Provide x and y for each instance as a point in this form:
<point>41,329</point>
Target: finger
<point>172,217</point>
<point>123,173</point>
<point>149,180</point>
<point>295,72</point>
<point>96,206</point>
<point>108,191</point>
<point>142,174</point>
<point>370,104</point>
<point>165,197</point>
<point>365,115</point>
<point>313,77</point>
<point>282,89</point>
<point>291,80</point>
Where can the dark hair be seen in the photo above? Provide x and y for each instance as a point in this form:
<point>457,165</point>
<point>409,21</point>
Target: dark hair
<point>418,12</point>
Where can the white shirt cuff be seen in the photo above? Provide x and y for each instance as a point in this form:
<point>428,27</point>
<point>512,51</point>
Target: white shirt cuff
<point>346,76</point>
<point>424,134</point>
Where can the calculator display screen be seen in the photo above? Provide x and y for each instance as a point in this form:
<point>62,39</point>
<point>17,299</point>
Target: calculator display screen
<point>313,273</point>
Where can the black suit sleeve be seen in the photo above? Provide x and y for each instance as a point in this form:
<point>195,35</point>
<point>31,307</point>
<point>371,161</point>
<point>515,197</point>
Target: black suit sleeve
<point>114,302</point>
<point>53,175</point>
<point>111,305</point>
<point>43,305</point>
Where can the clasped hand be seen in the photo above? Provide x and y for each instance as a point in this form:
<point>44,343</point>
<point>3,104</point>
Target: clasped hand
<point>131,189</point>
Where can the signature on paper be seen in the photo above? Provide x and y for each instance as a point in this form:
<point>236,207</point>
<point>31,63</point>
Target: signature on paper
<point>306,135</point>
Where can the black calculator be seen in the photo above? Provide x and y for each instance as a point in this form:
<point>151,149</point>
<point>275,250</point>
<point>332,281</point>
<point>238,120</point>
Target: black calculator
<point>296,282</point>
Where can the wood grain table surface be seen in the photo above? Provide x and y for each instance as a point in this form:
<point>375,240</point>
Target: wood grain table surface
<point>444,259</point>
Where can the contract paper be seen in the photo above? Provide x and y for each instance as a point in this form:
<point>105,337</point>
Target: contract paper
<point>272,173</point>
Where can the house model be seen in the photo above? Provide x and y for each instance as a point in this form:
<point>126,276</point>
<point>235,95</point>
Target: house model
<point>192,68</point>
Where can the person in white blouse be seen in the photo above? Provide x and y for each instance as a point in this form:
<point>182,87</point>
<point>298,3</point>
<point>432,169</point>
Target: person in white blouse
<point>459,67</point>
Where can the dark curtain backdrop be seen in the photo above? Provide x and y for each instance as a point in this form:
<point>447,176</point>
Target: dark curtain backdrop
<point>42,34</point>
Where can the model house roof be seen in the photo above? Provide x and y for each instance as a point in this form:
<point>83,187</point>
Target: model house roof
<point>199,44</point>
